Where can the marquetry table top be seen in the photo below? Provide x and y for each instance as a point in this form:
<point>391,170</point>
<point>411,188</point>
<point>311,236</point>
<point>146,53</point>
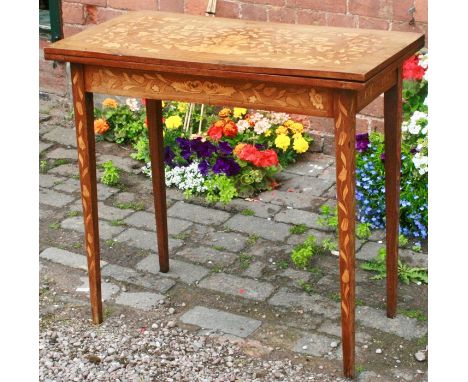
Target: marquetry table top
<point>179,40</point>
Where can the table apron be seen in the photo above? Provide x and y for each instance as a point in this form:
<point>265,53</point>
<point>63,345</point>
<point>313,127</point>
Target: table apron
<point>376,86</point>
<point>291,98</point>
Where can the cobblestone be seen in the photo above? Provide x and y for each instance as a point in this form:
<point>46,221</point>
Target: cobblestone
<point>255,270</point>
<point>264,228</point>
<point>48,180</point>
<point>207,255</point>
<point>369,251</point>
<point>66,258</point>
<point>292,216</point>
<point>62,135</point>
<point>54,198</point>
<point>225,322</point>
<point>292,199</point>
<point>238,286</point>
<point>61,153</point>
<point>197,214</point>
<point>139,300</point>
<point>106,231</point>
<point>144,239</point>
<point>142,219</point>
<point>125,163</point>
<point>107,289</point>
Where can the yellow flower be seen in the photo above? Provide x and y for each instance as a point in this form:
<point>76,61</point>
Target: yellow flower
<point>300,145</point>
<point>282,130</point>
<point>239,112</point>
<point>282,141</point>
<point>224,113</point>
<point>110,102</point>
<point>288,123</point>
<point>182,107</point>
<point>267,133</point>
<point>238,148</point>
<point>297,127</point>
<point>173,122</point>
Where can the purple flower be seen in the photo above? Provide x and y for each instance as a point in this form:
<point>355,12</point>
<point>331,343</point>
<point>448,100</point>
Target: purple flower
<point>169,156</point>
<point>260,146</point>
<point>414,150</point>
<point>202,149</point>
<point>204,167</point>
<point>184,145</point>
<point>382,157</point>
<point>225,148</point>
<point>226,165</point>
<point>362,142</point>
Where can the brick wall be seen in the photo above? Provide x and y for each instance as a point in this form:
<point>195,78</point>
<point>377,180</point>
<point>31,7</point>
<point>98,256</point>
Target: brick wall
<point>400,15</point>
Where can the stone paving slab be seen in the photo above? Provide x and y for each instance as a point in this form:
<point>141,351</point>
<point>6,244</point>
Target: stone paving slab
<point>230,241</point>
<point>306,169</point>
<point>61,153</point>
<point>319,235</point>
<point>328,174</point>
<point>48,180</point>
<point>127,163</point>
<point>316,345</point>
<point>334,329</point>
<point>369,251</point>
<point>69,185</point>
<point>292,216</point>
<point>414,259</point>
<point>69,169</point>
<point>197,214</point>
<point>314,303</point>
<point>186,272</point>
<point>106,231</point>
<point>107,289</point>
<point>260,209</point>
<point>306,185</point>
<point>146,220</point>
<point>264,228</point>
<point>43,146</point>
<point>292,199</point>
<point>402,326</point>
<point>225,322</point>
<point>62,135</point>
<point>131,276</point>
<point>238,286</point>
<point>255,270</point>
<point>66,258</point>
<point>112,213</point>
<point>207,255</point>
<point>139,300</point>
<point>72,185</point>
<point>54,198</point>
<point>145,239</point>
<point>295,274</point>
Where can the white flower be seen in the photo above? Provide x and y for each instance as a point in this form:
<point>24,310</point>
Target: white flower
<point>262,126</point>
<point>242,125</point>
<point>132,103</point>
<point>256,117</point>
<point>421,162</point>
<point>414,128</point>
<point>278,118</point>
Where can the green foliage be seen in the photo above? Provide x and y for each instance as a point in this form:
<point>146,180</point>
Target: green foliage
<point>54,225</point>
<point>219,248</point>
<point>414,94</point>
<point>406,273</point>
<point>282,264</point>
<point>402,240</point>
<point>303,253</point>
<point>413,313</point>
<point>43,166</point>
<point>363,230</point>
<point>137,206</point>
<point>248,212</point>
<point>111,175</point>
<point>329,245</point>
<point>73,213</point>
<point>253,238</point>
<point>298,229</point>
<point>220,188</point>
<point>142,149</point>
<point>328,217</point>
<point>245,260</point>
<point>306,287</point>
<point>117,222</point>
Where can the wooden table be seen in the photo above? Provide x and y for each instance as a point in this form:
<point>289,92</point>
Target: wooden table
<point>319,71</point>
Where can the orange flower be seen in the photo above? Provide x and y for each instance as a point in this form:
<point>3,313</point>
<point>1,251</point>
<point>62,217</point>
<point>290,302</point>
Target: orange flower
<point>224,113</point>
<point>237,150</point>
<point>100,126</point>
<point>230,129</point>
<point>110,102</point>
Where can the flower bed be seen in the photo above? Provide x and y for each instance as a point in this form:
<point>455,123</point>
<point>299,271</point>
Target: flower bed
<point>370,173</point>
<point>234,153</point>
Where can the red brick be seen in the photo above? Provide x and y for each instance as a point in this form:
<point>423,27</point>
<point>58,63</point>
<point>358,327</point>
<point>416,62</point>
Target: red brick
<point>304,119</point>
<point>373,8</point>
<point>401,8</point>
<point>171,6</point>
<point>70,30</point>
<point>311,17</point>
<point>373,23</point>
<point>362,124</point>
<point>338,6</point>
<point>275,3</point>
<point>52,78</point>
<point>253,12</point>
<point>421,10</point>
<point>339,20</point>
<point>90,12</point>
<point>104,14</point>
<point>282,15</point>
<point>375,108</point>
<point>101,3</point>
<point>322,124</point>
<point>377,125</point>
<point>133,5</point>
<point>72,13</point>
<point>328,144</point>
<point>405,26</point>
<point>228,9</point>
<point>196,7</point>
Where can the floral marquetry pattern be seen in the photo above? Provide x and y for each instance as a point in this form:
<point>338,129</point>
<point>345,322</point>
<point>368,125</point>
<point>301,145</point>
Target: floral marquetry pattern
<point>255,94</point>
<point>345,119</point>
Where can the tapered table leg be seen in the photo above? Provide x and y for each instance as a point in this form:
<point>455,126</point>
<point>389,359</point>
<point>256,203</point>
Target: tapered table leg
<point>84,123</point>
<point>345,127</point>
<point>392,126</point>
<point>156,145</point>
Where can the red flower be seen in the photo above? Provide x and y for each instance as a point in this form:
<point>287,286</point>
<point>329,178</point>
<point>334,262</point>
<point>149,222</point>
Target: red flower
<point>143,101</point>
<point>412,70</point>
<point>230,129</point>
<point>266,158</point>
<point>215,132</point>
<point>248,153</point>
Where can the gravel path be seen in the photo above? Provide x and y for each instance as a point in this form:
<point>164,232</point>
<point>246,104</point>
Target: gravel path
<point>123,349</point>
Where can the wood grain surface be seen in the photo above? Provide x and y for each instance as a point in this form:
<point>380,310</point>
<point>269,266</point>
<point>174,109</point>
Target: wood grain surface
<point>239,45</point>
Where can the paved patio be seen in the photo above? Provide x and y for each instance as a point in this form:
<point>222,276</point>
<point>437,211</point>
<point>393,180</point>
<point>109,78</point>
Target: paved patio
<point>227,272</point>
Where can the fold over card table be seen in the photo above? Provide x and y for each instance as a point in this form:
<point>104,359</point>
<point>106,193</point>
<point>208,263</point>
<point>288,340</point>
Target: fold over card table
<point>312,70</point>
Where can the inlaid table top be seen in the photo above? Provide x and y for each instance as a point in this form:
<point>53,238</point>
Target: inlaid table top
<point>185,41</point>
